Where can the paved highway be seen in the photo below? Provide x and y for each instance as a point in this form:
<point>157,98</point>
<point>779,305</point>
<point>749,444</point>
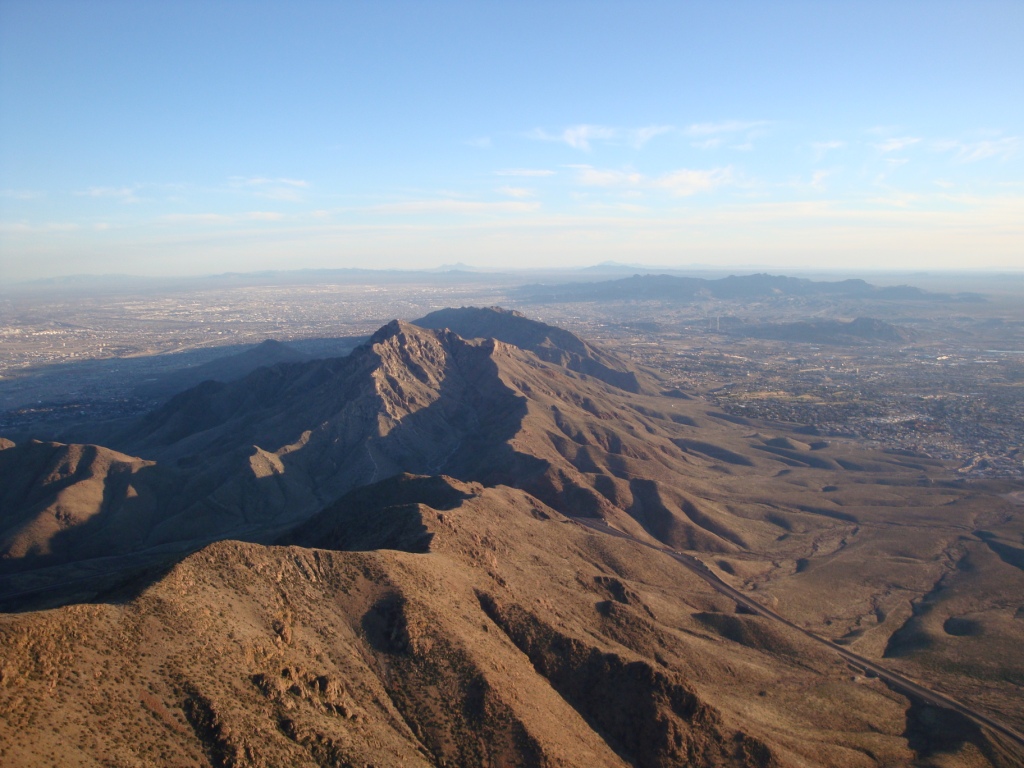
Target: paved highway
<point>895,680</point>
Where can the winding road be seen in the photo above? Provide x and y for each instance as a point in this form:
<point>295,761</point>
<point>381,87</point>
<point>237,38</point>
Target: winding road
<point>894,680</point>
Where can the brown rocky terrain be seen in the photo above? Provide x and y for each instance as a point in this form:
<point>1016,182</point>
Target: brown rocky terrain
<point>456,616</point>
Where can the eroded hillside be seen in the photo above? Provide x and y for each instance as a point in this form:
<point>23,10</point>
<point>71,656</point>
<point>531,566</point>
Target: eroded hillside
<point>458,616</point>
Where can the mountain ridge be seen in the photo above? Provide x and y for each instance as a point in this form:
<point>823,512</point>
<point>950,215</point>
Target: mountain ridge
<point>548,342</point>
<point>673,287</point>
<point>407,585</point>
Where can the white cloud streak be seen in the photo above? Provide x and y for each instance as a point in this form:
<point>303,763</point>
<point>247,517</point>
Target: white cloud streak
<point>822,148</point>
<point>581,136</point>
<point>683,182</point>
<point>195,218</point>
<point>595,177</point>
<point>818,180</point>
<point>288,194</point>
<point>260,181</point>
<point>1004,148</point>
<point>286,189</point>
<point>713,143</point>
<point>124,194</point>
<point>517,192</point>
<point>462,207</point>
<point>724,127</point>
<point>584,136</point>
<point>711,136</point>
<point>221,218</point>
<point>21,194</point>
<point>524,172</point>
<point>896,144</point>
<point>640,136</point>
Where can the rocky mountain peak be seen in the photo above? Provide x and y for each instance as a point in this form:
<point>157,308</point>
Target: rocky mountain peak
<point>549,343</point>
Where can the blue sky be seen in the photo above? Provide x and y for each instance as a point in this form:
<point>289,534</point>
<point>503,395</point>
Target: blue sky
<point>195,137</point>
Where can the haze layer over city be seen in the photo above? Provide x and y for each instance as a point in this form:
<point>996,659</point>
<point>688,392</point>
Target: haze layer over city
<point>541,384</point>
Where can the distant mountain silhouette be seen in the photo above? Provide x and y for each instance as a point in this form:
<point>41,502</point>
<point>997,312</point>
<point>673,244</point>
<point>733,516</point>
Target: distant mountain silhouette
<point>670,287</point>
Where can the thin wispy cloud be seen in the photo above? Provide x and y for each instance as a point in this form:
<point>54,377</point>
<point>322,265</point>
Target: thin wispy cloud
<point>480,142</point>
<point>1003,148</point>
<point>124,194</point>
<point>724,127</point>
<point>817,182</point>
<point>21,194</point>
<point>896,200</point>
<point>595,177</point>
<point>641,136</point>
<point>896,144</point>
<point>583,137</point>
<point>517,192</point>
<point>524,172</point>
<point>286,189</point>
<point>822,148</point>
<point>463,207</point>
<point>685,182</point>
<point>261,181</point>
<point>712,143</point>
<point>24,227</point>
<point>289,194</point>
<point>221,218</point>
<point>680,183</point>
<point>577,136</point>
<point>197,218</point>
<point>734,134</point>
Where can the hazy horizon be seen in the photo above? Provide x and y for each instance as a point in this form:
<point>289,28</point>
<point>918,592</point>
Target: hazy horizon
<point>605,269</point>
<point>187,139</point>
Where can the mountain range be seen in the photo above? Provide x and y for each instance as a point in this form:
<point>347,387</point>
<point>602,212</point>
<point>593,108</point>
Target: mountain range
<point>757,286</point>
<point>377,559</point>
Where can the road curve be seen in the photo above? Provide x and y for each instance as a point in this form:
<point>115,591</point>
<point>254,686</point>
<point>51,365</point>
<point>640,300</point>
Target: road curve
<point>896,681</point>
